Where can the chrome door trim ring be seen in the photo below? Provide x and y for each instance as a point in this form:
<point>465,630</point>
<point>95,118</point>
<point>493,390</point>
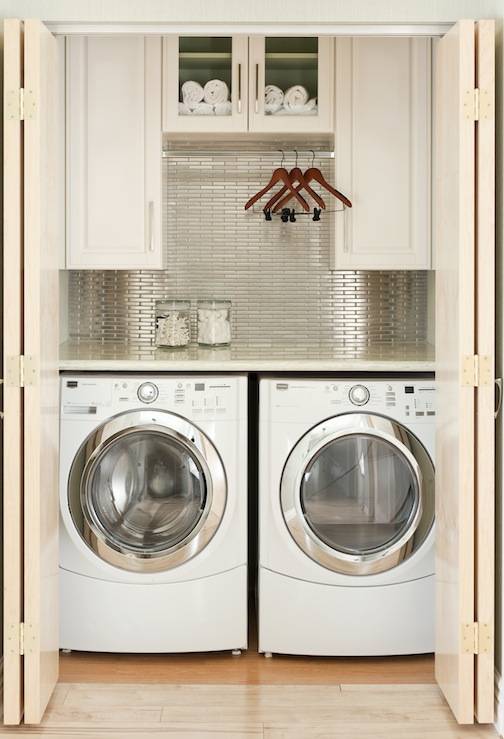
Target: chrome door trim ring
<point>353,424</point>
<point>197,444</point>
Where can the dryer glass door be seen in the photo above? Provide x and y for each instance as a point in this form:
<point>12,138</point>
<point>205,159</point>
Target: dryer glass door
<point>145,492</point>
<point>359,494</point>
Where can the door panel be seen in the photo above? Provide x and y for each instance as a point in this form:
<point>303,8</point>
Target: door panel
<point>41,392</point>
<point>114,152</point>
<point>382,159</point>
<point>12,393</point>
<point>201,59</point>
<point>284,62</point>
<point>485,344</point>
<point>455,339</point>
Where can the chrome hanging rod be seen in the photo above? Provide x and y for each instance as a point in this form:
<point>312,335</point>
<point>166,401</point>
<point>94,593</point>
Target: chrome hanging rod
<point>275,153</point>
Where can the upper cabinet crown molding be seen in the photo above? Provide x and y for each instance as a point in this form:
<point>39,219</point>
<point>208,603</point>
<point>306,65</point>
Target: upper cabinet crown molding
<point>383,153</point>
<point>113,152</point>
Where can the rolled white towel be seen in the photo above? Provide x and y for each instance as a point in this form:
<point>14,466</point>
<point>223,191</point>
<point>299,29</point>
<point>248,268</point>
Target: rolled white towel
<point>203,109</point>
<point>312,103</point>
<point>295,96</point>
<point>299,110</point>
<point>192,93</point>
<point>184,109</point>
<point>273,99</point>
<point>216,91</point>
<point>223,108</point>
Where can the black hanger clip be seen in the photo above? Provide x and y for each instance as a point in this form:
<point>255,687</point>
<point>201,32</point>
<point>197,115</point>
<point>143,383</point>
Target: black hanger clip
<point>285,215</point>
<point>267,215</point>
<point>292,216</point>
<point>316,214</point>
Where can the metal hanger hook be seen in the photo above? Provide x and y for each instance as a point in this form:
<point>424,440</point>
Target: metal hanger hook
<point>283,157</point>
<point>312,157</point>
<point>296,153</point>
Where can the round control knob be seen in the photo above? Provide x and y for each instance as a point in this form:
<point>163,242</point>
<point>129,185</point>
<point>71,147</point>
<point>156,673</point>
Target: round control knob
<point>359,395</point>
<point>148,392</point>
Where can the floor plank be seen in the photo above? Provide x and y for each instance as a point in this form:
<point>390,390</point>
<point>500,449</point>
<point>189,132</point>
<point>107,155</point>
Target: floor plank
<point>350,711</point>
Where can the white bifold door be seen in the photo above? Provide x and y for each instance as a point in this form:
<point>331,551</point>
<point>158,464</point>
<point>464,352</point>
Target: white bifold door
<point>464,243</point>
<point>30,364</point>
<point>463,205</point>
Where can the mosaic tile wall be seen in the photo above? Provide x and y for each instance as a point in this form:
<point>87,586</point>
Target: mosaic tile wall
<point>276,274</point>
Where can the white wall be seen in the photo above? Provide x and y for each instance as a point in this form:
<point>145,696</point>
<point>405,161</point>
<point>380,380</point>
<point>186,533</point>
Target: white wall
<point>257,11</point>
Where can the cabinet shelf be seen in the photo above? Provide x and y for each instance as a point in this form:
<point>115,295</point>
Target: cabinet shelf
<point>272,56</point>
<point>202,55</point>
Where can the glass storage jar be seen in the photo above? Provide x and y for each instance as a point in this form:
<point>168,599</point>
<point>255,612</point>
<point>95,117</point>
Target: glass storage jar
<point>173,322</point>
<point>214,322</point>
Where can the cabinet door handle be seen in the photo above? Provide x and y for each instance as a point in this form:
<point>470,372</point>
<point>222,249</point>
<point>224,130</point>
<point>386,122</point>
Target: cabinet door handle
<point>498,385</point>
<point>239,88</point>
<point>257,88</point>
<point>151,225</point>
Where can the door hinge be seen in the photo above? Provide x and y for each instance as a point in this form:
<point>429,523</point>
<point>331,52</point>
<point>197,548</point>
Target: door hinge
<point>21,638</point>
<point>20,371</point>
<point>478,104</point>
<point>476,638</point>
<point>20,105</point>
<point>476,370</point>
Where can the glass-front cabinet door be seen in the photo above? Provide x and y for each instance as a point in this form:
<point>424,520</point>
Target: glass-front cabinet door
<point>205,83</point>
<point>291,83</point>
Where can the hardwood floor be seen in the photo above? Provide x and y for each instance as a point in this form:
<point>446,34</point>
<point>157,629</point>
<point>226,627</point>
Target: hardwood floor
<point>108,711</point>
<point>248,669</point>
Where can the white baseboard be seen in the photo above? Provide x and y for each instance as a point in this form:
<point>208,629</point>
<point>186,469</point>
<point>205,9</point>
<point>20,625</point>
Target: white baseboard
<point>499,703</point>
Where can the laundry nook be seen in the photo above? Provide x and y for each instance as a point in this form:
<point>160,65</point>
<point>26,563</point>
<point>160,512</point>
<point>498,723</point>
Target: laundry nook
<point>252,361</point>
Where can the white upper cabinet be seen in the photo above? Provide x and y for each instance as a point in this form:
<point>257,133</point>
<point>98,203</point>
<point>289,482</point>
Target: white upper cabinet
<point>205,83</point>
<point>291,84</point>
<point>383,153</point>
<point>113,152</point>
<point>263,84</point>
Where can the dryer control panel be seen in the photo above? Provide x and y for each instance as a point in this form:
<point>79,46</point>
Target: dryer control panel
<point>404,400</point>
<point>194,397</point>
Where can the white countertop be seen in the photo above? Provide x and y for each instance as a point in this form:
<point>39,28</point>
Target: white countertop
<point>245,358</point>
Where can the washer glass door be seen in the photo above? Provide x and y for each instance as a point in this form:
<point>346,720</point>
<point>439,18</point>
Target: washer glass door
<point>145,492</point>
<point>357,493</point>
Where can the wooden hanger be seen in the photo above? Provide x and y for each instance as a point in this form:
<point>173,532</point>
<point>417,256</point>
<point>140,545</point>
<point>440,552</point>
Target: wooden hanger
<point>279,175</point>
<point>295,175</point>
<point>313,173</point>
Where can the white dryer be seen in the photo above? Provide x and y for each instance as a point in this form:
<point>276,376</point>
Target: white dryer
<point>154,513</point>
<point>346,516</point>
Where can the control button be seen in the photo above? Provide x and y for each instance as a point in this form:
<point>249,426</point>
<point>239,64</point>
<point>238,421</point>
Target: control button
<point>359,395</point>
<point>148,392</point>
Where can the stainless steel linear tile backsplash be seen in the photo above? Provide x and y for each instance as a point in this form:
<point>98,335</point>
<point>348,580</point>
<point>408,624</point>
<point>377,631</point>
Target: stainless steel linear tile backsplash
<point>276,275</point>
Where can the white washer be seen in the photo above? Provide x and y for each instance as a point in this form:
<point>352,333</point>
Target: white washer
<point>346,519</point>
<point>154,513</point>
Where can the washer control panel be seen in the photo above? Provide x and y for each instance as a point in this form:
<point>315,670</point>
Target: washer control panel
<point>194,397</point>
